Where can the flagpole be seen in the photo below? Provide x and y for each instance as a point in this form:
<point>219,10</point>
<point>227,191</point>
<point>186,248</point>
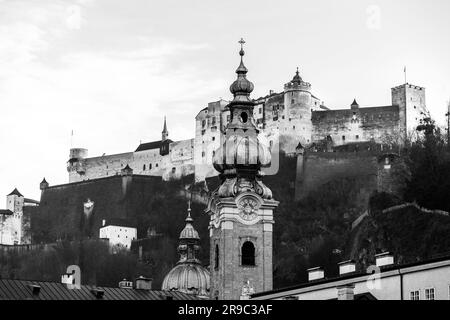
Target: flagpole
<point>404,70</point>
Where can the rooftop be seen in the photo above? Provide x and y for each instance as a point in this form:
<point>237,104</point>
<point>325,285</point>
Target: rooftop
<point>43,290</point>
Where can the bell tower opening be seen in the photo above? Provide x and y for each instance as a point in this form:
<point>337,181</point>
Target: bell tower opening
<point>248,254</point>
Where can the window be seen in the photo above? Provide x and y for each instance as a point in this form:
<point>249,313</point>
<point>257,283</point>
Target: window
<point>429,294</point>
<point>213,138</point>
<point>228,118</point>
<point>357,137</point>
<point>150,166</point>
<point>203,153</point>
<point>213,121</point>
<point>292,101</point>
<point>343,138</point>
<point>156,165</point>
<point>203,123</point>
<point>414,295</point>
<point>216,258</point>
<point>248,254</point>
<point>260,110</point>
<point>143,168</point>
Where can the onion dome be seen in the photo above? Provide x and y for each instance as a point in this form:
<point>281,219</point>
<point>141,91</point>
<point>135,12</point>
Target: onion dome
<point>243,153</point>
<point>241,87</point>
<point>189,231</point>
<point>297,79</point>
<point>188,275</point>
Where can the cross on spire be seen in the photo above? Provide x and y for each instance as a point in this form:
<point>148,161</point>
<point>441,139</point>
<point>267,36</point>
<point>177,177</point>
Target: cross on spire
<point>242,41</point>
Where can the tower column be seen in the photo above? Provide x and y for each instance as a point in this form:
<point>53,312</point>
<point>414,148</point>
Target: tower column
<point>241,208</point>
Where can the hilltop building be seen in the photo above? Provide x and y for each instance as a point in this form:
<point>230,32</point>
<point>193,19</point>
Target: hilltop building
<point>288,118</point>
<point>15,219</point>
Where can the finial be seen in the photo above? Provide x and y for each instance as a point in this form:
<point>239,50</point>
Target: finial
<point>297,70</point>
<point>189,218</point>
<point>242,41</point>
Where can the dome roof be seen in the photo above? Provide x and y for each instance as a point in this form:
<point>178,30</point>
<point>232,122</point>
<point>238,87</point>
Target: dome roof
<point>241,151</point>
<point>189,231</point>
<point>190,278</point>
<point>297,79</point>
<point>241,87</point>
<point>188,275</point>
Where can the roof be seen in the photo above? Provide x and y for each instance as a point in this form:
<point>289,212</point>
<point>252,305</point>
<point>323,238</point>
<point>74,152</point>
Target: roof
<point>352,275</point>
<point>119,222</point>
<point>27,200</point>
<point>152,145</point>
<point>6,212</point>
<point>362,296</point>
<point>23,290</point>
<point>15,192</point>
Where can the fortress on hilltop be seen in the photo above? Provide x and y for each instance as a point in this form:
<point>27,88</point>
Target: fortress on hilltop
<point>289,119</point>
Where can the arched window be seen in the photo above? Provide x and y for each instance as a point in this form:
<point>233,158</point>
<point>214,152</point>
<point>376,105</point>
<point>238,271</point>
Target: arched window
<point>143,168</point>
<point>216,258</point>
<point>248,254</point>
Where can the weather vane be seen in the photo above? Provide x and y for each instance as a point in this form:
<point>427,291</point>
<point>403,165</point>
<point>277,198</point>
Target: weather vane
<point>242,43</point>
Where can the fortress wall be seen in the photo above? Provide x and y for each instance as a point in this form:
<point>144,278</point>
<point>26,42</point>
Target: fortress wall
<point>154,163</point>
<point>103,166</point>
<point>321,168</point>
<point>363,124</point>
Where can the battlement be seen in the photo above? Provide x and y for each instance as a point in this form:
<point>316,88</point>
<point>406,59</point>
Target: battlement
<point>407,85</point>
<point>302,86</point>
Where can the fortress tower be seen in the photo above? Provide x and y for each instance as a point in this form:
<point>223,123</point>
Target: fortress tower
<point>296,125</point>
<point>75,165</point>
<point>241,208</point>
<point>412,107</point>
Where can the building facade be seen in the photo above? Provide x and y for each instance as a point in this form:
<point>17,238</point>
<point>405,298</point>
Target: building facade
<point>425,280</point>
<point>15,219</point>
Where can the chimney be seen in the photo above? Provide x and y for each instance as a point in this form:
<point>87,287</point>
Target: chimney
<point>384,259</point>
<point>346,292</point>
<point>67,278</point>
<point>345,267</point>
<point>125,284</point>
<point>143,283</point>
<point>103,222</point>
<point>315,274</point>
<point>98,293</point>
<point>271,92</point>
<point>35,289</point>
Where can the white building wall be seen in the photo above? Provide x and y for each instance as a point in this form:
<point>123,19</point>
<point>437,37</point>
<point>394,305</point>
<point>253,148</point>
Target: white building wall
<point>119,235</point>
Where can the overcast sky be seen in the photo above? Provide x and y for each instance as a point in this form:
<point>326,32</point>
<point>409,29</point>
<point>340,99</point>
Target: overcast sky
<point>111,69</point>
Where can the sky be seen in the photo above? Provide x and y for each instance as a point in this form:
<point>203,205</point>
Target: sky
<point>110,70</point>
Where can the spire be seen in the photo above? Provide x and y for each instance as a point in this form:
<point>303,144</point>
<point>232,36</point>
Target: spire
<point>241,88</point>
<point>15,192</point>
<point>165,133</point>
<point>354,104</point>
<point>44,184</point>
<point>189,231</point>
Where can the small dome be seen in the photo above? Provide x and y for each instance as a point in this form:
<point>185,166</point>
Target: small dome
<point>189,232</point>
<point>297,79</point>
<point>190,278</point>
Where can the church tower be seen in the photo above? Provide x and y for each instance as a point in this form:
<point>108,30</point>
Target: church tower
<point>164,148</point>
<point>241,208</point>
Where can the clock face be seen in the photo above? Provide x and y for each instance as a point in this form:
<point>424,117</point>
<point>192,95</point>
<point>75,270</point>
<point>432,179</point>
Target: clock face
<point>248,208</point>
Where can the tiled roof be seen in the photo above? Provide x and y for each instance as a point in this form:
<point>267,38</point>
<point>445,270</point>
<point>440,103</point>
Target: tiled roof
<point>42,290</point>
<point>152,145</point>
